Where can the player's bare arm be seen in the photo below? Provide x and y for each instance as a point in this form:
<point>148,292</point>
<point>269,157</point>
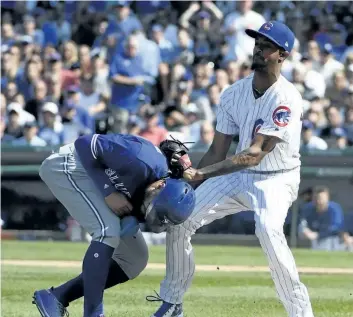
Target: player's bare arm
<point>260,146</point>
<point>119,204</point>
<point>217,151</point>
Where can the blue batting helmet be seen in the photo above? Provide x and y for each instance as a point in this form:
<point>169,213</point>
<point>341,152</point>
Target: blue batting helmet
<point>172,206</point>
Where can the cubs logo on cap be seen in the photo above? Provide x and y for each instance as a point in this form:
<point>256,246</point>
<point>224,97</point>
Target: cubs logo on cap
<point>276,32</point>
<point>281,116</point>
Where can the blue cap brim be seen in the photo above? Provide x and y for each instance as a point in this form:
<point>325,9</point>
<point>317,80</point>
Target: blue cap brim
<point>254,34</point>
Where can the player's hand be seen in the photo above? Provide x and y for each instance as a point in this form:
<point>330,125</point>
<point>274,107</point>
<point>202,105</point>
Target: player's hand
<point>119,204</point>
<point>192,174</point>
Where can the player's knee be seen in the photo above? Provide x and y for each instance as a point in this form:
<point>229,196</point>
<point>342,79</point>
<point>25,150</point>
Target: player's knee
<point>112,241</point>
<point>265,230</point>
<point>140,264</point>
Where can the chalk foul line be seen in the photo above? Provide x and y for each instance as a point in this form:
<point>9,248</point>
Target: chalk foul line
<point>161,266</point>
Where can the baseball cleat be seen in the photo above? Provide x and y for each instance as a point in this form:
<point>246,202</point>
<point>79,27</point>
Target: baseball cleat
<point>166,309</point>
<point>48,305</point>
<point>169,310</point>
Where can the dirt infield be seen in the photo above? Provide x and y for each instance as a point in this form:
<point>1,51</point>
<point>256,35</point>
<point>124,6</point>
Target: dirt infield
<point>161,266</point>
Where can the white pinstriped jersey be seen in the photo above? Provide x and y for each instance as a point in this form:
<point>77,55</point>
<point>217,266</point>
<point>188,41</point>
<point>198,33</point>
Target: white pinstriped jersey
<point>278,112</point>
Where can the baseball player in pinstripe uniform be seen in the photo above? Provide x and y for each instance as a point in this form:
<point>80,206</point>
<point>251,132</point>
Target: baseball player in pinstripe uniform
<point>264,174</point>
<point>110,183</point>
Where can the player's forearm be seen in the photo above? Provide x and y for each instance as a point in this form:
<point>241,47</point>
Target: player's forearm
<point>245,159</point>
<point>211,157</point>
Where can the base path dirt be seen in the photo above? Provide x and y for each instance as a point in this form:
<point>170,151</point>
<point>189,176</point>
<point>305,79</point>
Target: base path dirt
<point>161,266</point>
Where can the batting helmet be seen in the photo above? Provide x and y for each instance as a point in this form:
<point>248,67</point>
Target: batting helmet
<point>172,206</point>
<point>177,157</point>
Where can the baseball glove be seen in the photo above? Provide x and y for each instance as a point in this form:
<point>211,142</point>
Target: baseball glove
<point>177,156</point>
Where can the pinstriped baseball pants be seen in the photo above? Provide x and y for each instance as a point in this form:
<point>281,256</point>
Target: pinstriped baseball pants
<point>270,197</point>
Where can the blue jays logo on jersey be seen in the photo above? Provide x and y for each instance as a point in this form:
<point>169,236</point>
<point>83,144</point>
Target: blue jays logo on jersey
<point>281,116</point>
<point>257,125</point>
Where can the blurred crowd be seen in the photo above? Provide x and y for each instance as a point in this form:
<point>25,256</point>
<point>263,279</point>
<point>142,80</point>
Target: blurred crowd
<point>158,68</point>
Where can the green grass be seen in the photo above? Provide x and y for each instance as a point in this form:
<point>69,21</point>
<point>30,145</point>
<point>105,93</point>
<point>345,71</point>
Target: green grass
<point>217,255</point>
<point>216,294</point>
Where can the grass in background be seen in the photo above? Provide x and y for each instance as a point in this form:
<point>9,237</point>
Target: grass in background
<point>212,293</point>
<point>214,255</point>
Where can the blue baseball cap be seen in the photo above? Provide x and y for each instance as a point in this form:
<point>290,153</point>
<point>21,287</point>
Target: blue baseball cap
<point>276,32</point>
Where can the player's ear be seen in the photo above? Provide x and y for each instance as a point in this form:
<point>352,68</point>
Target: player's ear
<point>282,56</point>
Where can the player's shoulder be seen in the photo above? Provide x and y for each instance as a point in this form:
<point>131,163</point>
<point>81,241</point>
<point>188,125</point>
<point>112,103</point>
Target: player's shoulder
<point>287,90</point>
<point>236,87</point>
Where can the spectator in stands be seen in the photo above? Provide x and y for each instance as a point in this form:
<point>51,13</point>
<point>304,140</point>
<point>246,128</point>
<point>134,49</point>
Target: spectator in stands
<point>101,83</point>
<point>17,54</point>
<point>337,93</point>
<point>14,127</point>
<point>151,58</point>
<point>125,22</point>
<point>314,82</point>
<point>3,105</point>
<point>55,68</point>
<point>309,140</point>
<point>222,80</point>
<point>206,137</point>
<point>153,132</point>
<point>76,122</point>
<point>23,115</point>
<point>203,23</point>
<point>85,61</point>
<point>183,53</point>
<point>69,54</point>
<point>10,69</point>
<point>30,136</point>
<point>214,95</point>
<point>348,125</point>
<point>11,91</point>
<point>35,105</point>
<point>240,45</point>
<point>314,55</point>
<point>329,64</point>
<point>91,100</point>
<point>165,47</point>
<point>233,71</point>
<point>334,130</point>
<point>127,76</point>
<point>50,130</point>
<point>7,33</point>
<point>5,138</point>
<point>29,29</point>
<point>202,81</point>
<point>322,221</point>
<point>55,92</point>
<point>100,31</point>
<point>27,82</point>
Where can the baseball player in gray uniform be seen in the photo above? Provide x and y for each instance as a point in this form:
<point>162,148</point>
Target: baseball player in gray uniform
<point>264,174</point>
<point>110,183</point>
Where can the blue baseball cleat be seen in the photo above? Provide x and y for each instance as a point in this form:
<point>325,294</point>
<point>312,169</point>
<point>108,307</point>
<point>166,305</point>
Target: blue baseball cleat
<point>48,305</point>
<point>166,309</point>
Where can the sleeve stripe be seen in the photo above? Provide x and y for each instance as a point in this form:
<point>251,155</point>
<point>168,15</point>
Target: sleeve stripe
<point>94,146</point>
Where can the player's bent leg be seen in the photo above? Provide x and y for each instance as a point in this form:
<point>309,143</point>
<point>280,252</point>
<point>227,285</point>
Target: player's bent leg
<point>213,201</point>
<point>132,255</point>
<point>70,184</point>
